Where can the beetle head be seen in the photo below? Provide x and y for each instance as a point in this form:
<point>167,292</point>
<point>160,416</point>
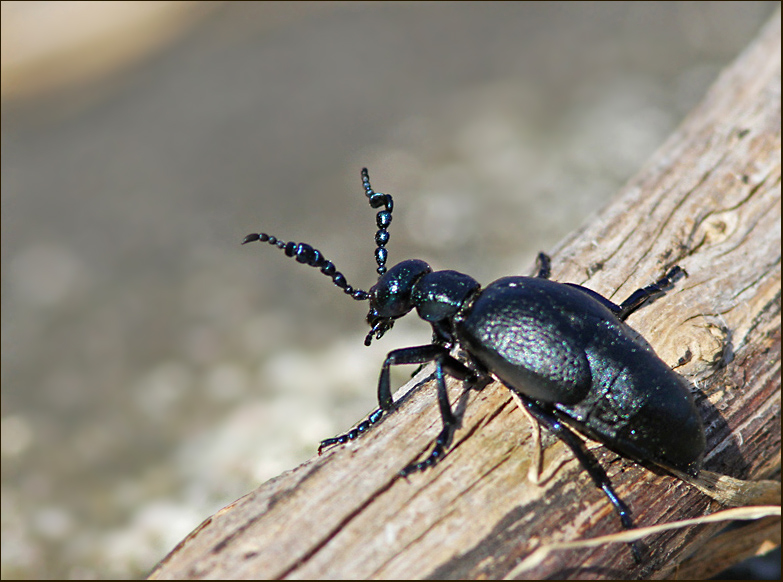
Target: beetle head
<point>390,297</point>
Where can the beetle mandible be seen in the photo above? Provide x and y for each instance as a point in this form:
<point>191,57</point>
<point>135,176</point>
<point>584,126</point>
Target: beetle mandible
<point>563,348</point>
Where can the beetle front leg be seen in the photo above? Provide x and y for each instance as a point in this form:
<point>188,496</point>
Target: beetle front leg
<point>360,429</point>
<point>443,362</point>
<point>414,355</point>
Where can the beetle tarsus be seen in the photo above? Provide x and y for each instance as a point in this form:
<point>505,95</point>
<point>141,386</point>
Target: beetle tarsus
<point>438,452</point>
<point>354,433</point>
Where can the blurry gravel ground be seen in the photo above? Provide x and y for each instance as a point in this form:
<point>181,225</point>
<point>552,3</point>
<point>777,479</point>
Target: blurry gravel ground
<point>152,369</point>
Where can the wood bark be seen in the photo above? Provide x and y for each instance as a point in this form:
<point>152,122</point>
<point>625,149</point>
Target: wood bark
<point>708,200</point>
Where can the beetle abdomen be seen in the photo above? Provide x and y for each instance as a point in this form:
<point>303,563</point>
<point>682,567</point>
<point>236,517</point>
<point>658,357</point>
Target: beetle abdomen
<point>642,408</point>
<point>555,344</point>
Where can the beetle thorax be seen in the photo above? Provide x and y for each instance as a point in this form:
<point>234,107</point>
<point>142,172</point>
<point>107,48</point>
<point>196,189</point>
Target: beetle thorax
<point>440,295</point>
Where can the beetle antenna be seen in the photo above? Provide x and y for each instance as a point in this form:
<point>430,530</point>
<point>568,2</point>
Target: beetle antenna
<point>383,220</point>
<point>304,253</point>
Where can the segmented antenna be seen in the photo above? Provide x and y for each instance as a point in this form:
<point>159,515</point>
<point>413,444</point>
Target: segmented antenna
<point>304,253</point>
<point>383,220</point>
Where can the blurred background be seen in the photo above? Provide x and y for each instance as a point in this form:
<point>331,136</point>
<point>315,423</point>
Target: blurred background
<point>154,370</point>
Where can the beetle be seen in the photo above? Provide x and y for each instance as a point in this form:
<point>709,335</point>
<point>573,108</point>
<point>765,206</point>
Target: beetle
<point>565,350</point>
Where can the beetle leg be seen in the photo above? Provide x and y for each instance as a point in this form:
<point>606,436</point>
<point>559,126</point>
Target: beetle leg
<point>443,361</point>
<point>544,264</point>
<point>588,462</point>
<point>459,370</point>
<point>640,296</point>
<point>449,423</point>
<point>416,355</point>
<point>360,429</point>
<point>413,355</point>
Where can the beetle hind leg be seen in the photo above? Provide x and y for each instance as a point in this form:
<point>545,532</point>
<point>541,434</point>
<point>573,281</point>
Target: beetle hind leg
<point>589,464</point>
<point>641,296</point>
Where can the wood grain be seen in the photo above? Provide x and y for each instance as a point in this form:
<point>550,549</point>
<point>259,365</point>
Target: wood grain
<point>708,200</point>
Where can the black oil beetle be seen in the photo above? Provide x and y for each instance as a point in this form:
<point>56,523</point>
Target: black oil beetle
<point>564,349</point>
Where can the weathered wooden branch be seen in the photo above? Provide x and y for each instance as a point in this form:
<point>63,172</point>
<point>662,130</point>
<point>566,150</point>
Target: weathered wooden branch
<point>708,200</point>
